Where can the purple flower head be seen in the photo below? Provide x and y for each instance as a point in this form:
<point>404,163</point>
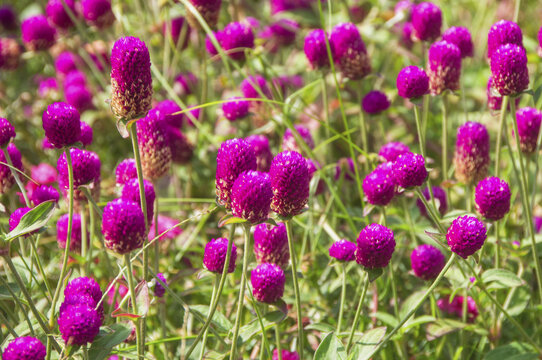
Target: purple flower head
<point>80,299</point>
<point>84,285</point>
<point>165,110</point>
<point>62,232</point>
<point>444,68</point>
<point>209,46</point>
<point>159,289</point>
<point>86,134</point>
<point>412,82</point>
<point>440,197</point>
<point>62,124</point>
<point>471,153</point>
<point>234,157</point>
<point>375,102</point>
<point>47,86</point>
<point>25,348</point>
<point>345,168</point>
<point>86,171</point>
<point>315,49</point>
<point>286,355</point>
<point>426,21</point>
<point>271,244</point>
<point>460,37</point>
<point>130,191</point>
<point>214,255</point>
<point>379,186</point>
<point>427,261</point>
<point>178,27</point>
<point>37,33</point>
<point>16,216</point>
<point>57,14</point>
<point>153,146</point>
<point>73,79</point>
<point>235,109</point>
<point>79,324</point>
<point>466,235</point>
<point>6,176</point>
<point>537,220</point>
<point>404,6</point>
<point>44,193</point>
<point>267,283</point>
<point>168,224</point>
<point>509,69</point>
<point>181,148</point>
<point>208,9</point>
<point>406,29</point>
<point>492,198</point>
<point>131,80</point>
<point>251,196</point>
<point>98,13</point>
<point>349,51</point>
<point>43,173</point>
<point>185,84</point>
<point>10,53</point>
<point>289,142</point>
<point>502,33</point>
<point>125,171</point>
<point>8,17</point>
<point>280,33</point>
<point>409,170</point>
<point>392,150</point>
<point>290,181</point>
<point>528,121</point>
<point>252,86</point>
<point>278,6</point>
<point>375,245</point>
<point>235,38</point>
<point>540,42</point>
<point>123,226</point>
<point>66,62</point>
<point>7,132</point>
<point>260,143</point>
<point>343,250</point>
<point>79,97</point>
<point>455,307</point>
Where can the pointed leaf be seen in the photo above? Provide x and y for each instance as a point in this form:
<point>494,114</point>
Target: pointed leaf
<point>33,220</point>
<point>330,348</point>
<point>219,320</point>
<point>143,299</point>
<point>108,338</point>
<point>364,347</point>
<point>374,273</point>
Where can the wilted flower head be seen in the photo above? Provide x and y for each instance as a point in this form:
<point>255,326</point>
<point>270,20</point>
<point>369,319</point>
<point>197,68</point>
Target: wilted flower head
<point>315,49</point>
<point>62,124</point>
<point>501,33</point>
<point>466,235</point>
<point>492,198</point>
<point>412,82</point>
<point>130,191</point>
<point>375,102</point>
<point>62,232</point>
<point>125,171</point>
<point>252,86</point>
<point>444,68</point>
<point>343,250</point>
<point>455,307</point>
<point>153,146</point>
<point>7,132</point>
<point>209,11</point>
<point>37,33</point>
<point>57,14</point>
<point>286,355</point>
<point>409,170</point>
<point>440,198</point>
<point>471,158</point>
<point>267,283</point>
<point>79,324</point>
<point>25,348</point>
<point>375,246</point>
<point>379,186</point>
<point>509,69</point>
<point>290,180</point>
<point>10,53</point>
<point>98,12</point>
<point>260,143</point>
<point>235,108</point>
<point>271,244</point>
<point>460,37</point>
<point>427,261</point>
<point>123,226</point>
<point>214,255</point>
<point>426,21</point>
<point>392,150</point>
<point>528,121</point>
<point>251,196</point>
<point>349,51</point>
<point>159,289</point>
<point>6,176</point>
<point>16,216</point>
<point>44,193</point>
<point>289,142</point>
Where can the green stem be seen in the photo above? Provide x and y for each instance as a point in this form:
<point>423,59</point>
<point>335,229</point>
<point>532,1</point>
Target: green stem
<point>430,210</point>
<point>277,340</point>
<point>445,142</point>
<point>213,299</point>
<point>343,296</point>
<point>131,287</point>
<point>40,267</point>
<point>516,10</point>
<point>20,305</point>
<point>16,177</point>
<point>84,241</point>
<point>91,235</point>
<point>502,118</point>
<point>6,322</point>
<point>497,246</point>
<point>296,288</point>
<point>363,129</point>
<point>358,311</point>
<point>265,345</point>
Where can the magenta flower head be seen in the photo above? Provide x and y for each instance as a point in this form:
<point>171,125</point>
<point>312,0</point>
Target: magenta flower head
<point>460,37</point>
<point>159,289</point>
<point>209,11</point>
<point>286,355</point>
<point>80,299</point>
<point>57,14</point>
<point>8,18</point>
<point>492,198</point>
<point>375,102</point>
<point>44,193</point>
<point>210,46</point>
<point>260,143</point>
<point>79,97</point>
<point>6,176</point>
<point>62,232</point>
<point>471,153</point>
<point>37,33</point>
<point>289,142</point>
<point>166,111</point>
<point>62,124</point>
<point>427,261</point>
<point>86,171</point>
<point>412,82</point>
<point>214,256</point>
<point>66,62</point>
<point>502,33</point>
<point>125,171</point>
<point>392,150</point>
<point>409,170</point>
<point>379,186</point>
<point>74,78</point>
<point>123,226</point>
<point>84,285</point>
<point>278,6</point>
<point>509,69</point>
<point>290,181</point>
<point>267,283</point>
<point>343,250</point>
<point>47,87</point>
<point>178,27</point>
<point>426,21</point>
<point>98,13</point>
<point>251,196</point>
<point>7,132</point>
<point>16,216</point>
<point>79,324</point>
<point>315,49</point>
<point>444,68</point>
<point>234,157</point>
<point>271,244</point>
<point>254,87</point>
<point>130,191</point>
<point>131,80</point>
<point>466,235</point>
<point>375,246</point>
<point>153,146</point>
<point>25,348</point>
<point>235,38</point>
<point>10,53</point>
<point>440,198</point>
<point>528,121</point>
<point>281,33</point>
<point>349,51</point>
<point>540,42</point>
<point>185,84</point>
<point>181,148</point>
<point>235,109</point>
<point>86,134</point>
<point>455,307</point>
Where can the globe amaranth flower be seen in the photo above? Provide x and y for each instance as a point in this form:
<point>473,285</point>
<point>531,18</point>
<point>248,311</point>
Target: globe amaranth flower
<point>290,181</point>
<point>343,250</point>
<point>379,186</point>
<point>62,124</point>
<point>271,244</point>
<point>409,170</point>
<point>8,17</point>
<point>86,171</point>
<point>254,87</point>
<point>130,191</point>
<point>528,121</point>
<point>10,54</point>
<point>159,289</point>
<point>444,67</point>
<point>392,150</point>
<point>286,355</point>
<point>79,324</point>
<point>501,33</point>
<point>6,175</point>
<point>153,146</point>
<point>42,174</point>
<point>74,78</point>
<point>406,34</point>
<point>7,132</point>
<point>278,6</point>
<point>123,226</point>
<point>280,33</point>
<point>460,37</point>
<point>79,97</point>
<point>44,193</point>
<point>185,84</point>
<point>84,285</point>
<point>37,33</point>
<point>349,51</point>
<point>177,27</point>
<point>427,261</point>
<point>181,148</point>
<point>209,44</point>
<point>234,157</point>
<point>440,198</point>
<point>260,143</point>
<point>166,110</point>
<point>235,108</point>
<point>251,196</point>
<point>168,228</point>
<point>80,299</point>
<point>98,13</point>
<point>404,7</point>
<point>509,69</point>
<point>375,102</point>
<point>471,158</point>
<point>316,50</point>
<point>375,246</point>
<point>492,198</point>
<point>235,38</point>
<point>267,283</point>
<point>125,171</point>
<point>131,80</point>
<point>209,11</point>
<point>25,348</point>
<point>214,255</point>
<point>289,141</point>
<point>47,87</point>
<point>86,134</point>
<point>540,42</point>
<point>466,235</point>
<point>455,307</point>
<point>16,216</point>
<point>412,82</point>
<point>57,14</point>
<point>426,21</point>
<point>76,235</point>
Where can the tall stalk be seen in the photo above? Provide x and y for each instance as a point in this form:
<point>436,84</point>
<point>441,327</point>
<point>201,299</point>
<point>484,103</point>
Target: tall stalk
<point>296,287</point>
<point>131,288</point>
<point>343,296</point>
<point>16,177</point>
<point>213,300</point>
<point>358,312</point>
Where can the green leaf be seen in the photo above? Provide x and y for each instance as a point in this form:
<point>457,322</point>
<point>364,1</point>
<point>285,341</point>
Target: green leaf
<point>363,348</point>
<point>501,279</point>
<point>442,327</point>
<point>108,338</point>
<point>253,328</point>
<point>322,327</point>
<point>219,320</point>
<point>33,220</point>
<point>143,301</point>
<point>4,292</point>
<point>330,348</point>
<point>374,273</point>
<point>414,322</point>
<point>515,351</point>
<point>230,219</point>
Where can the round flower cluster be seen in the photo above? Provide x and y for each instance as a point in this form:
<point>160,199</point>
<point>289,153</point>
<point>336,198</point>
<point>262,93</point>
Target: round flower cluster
<point>343,250</point>
<point>427,261</point>
<point>466,235</point>
<point>375,246</point>
<point>271,244</point>
<point>492,198</point>
<point>214,255</point>
<point>267,283</point>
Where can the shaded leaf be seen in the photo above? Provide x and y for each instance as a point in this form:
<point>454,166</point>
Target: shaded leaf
<point>442,327</point>
<point>374,273</point>
<point>330,348</point>
<point>108,338</point>
<point>4,292</point>
<point>143,299</point>
<point>322,327</point>
<point>253,328</point>
<point>33,220</point>
<point>219,320</point>
<point>501,279</point>
<point>364,347</point>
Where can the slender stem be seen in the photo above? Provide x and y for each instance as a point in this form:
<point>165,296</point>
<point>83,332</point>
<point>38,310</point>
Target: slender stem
<point>464,319</point>
<point>445,143</point>
<point>343,296</point>
<point>277,340</point>
<point>296,288</point>
<point>502,118</point>
<point>358,311</point>
<point>430,211</point>
<point>6,322</point>
<point>84,241</point>
<point>156,233</point>
<point>131,288</point>
<point>516,10</point>
<point>92,228</point>
<point>40,267</point>
<point>363,130</point>
<point>497,246</point>
<point>213,299</point>
<point>409,221</point>
<point>20,305</point>
<point>16,177</point>
<point>265,345</point>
